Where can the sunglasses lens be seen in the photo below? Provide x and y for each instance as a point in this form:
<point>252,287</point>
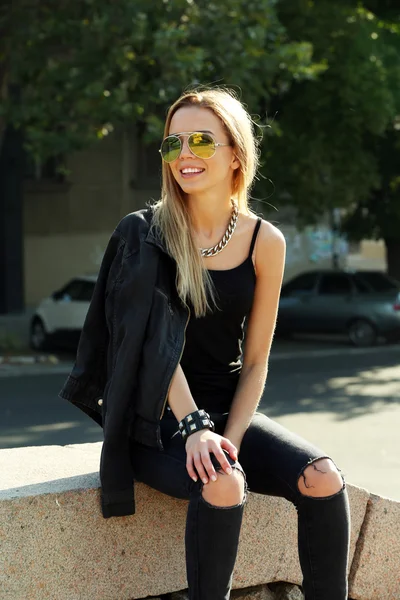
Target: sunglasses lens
<point>170,148</point>
<point>202,145</point>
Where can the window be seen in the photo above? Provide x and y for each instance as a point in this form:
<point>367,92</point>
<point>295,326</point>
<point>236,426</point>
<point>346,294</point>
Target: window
<point>71,291</point>
<point>335,284</point>
<point>376,281</point>
<point>87,291</point>
<point>46,171</point>
<point>361,286</point>
<point>302,284</point>
<point>77,290</point>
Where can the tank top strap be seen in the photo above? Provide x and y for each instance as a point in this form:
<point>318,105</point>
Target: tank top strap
<point>253,239</point>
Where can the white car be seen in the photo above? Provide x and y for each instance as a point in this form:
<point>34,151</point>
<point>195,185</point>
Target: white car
<point>58,319</point>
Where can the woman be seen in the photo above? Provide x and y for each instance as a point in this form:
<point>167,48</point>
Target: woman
<point>199,180</point>
<point>214,444</point>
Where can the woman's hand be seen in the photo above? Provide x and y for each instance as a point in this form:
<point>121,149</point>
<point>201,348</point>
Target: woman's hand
<point>198,448</point>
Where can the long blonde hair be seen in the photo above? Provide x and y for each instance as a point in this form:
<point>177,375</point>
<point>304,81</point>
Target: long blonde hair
<point>171,215</point>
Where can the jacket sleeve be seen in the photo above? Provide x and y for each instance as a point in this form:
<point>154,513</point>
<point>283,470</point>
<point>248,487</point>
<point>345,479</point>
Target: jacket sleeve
<point>86,382</point>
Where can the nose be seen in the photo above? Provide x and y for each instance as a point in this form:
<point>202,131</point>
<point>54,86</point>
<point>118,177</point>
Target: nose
<point>185,151</point>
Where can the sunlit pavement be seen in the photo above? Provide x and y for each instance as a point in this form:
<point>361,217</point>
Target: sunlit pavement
<point>347,401</point>
<point>349,406</point>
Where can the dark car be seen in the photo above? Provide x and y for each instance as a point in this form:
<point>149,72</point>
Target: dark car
<point>363,304</point>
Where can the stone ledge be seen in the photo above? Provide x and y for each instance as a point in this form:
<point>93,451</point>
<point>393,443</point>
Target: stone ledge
<point>56,545</point>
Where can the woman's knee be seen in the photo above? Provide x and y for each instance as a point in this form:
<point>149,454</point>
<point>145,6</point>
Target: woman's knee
<point>228,490</point>
<point>320,479</point>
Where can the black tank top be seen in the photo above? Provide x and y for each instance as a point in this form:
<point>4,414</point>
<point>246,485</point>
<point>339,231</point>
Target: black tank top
<point>211,358</point>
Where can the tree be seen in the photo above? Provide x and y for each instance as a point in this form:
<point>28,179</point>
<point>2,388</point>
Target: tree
<point>378,215</point>
<point>90,66</point>
<point>332,129</point>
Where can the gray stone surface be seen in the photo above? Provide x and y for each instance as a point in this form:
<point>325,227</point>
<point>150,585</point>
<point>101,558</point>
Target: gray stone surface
<point>59,547</point>
<point>55,544</point>
<point>375,573</point>
<point>36,470</point>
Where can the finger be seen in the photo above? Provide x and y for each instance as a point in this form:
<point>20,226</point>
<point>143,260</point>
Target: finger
<point>190,468</point>
<point>209,467</point>
<point>200,468</point>
<point>223,461</point>
<point>231,448</point>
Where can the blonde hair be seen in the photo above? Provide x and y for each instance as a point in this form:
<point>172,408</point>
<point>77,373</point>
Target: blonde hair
<point>171,215</point>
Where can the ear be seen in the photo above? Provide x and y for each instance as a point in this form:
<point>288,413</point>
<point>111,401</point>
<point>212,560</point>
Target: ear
<point>235,163</point>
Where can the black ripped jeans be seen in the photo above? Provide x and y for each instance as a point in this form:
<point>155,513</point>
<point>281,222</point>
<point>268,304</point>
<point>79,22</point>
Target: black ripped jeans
<point>272,459</point>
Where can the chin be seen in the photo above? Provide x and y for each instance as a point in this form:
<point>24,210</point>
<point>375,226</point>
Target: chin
<point>193,189</point>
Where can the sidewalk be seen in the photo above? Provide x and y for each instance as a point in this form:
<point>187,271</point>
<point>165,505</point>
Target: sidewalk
<point>19,359</point>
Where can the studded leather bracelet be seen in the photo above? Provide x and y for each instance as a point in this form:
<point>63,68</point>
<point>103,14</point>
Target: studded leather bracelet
<point>195,421</point>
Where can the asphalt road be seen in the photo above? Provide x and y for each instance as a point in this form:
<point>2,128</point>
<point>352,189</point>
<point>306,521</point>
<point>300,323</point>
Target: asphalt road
<point>345,401</point>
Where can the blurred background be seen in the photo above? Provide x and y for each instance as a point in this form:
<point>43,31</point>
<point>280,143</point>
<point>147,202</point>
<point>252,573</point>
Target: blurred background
<point>84,89</point>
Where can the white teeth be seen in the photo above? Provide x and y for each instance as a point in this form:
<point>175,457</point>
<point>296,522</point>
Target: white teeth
<point>189,170</point>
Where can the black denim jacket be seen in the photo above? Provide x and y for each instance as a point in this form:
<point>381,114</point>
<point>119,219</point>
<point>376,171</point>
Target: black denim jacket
<point>131,343</point>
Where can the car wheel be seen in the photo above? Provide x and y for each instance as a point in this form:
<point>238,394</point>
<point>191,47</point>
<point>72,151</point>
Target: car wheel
<point>362,333</point>
<point>38,336</point>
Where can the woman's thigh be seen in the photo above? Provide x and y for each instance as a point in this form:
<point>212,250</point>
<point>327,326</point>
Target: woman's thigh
<point>273,458</point>
<point>165,470</point>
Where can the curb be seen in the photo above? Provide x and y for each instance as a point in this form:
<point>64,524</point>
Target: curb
<point>11,371</point>
<point>334,352</point>
<point>43,359</point>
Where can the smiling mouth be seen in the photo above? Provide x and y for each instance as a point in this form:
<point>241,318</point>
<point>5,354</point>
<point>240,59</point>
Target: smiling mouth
<point>188,173</point>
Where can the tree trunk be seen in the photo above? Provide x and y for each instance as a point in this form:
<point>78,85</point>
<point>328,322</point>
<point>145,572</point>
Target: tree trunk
<point>393,257</point>
<point>11,222</point>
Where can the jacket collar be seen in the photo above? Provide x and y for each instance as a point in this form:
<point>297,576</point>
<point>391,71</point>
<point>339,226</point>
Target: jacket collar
<point>154,237</point>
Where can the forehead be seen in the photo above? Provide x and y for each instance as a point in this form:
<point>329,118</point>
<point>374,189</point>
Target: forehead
<point>195,118</point>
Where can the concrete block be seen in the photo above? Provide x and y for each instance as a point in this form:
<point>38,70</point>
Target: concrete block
<point>375,571</point>
<point>54,542</point>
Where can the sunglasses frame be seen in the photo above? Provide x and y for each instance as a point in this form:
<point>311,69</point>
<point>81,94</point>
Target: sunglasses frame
<point>188,134</point>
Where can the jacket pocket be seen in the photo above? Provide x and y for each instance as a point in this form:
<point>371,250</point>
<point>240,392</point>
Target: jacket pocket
<point>167,300</point>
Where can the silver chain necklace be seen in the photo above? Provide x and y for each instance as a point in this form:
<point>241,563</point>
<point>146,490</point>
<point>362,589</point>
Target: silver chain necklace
<point>206,252</point>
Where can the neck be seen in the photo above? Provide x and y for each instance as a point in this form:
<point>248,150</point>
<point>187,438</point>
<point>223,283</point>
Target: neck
<point>209,216</point>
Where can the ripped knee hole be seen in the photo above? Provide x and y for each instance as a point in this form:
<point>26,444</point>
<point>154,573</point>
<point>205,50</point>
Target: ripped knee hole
<point>218,498</point>
<point>311,477</point>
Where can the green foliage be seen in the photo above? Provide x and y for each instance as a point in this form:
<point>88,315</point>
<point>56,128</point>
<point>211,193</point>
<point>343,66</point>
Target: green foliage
<point>86,67</point>
<point>326,156</point>
<point>378,214</point>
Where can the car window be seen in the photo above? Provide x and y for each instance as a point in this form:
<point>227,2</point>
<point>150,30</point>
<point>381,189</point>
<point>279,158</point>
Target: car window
<point>302,284</point>
<point>72,290</point>
<point>378,282</point>
<point>335,284</point>
<point>361,286</point>
<point>86,291</point>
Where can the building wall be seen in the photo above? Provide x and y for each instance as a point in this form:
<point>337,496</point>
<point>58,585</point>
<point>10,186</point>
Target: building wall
<point>67,225</point>
<point>370,255</point>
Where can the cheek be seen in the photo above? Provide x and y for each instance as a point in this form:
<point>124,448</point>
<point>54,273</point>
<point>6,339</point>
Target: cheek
<point>221,169</point>
<point>175,172</point>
